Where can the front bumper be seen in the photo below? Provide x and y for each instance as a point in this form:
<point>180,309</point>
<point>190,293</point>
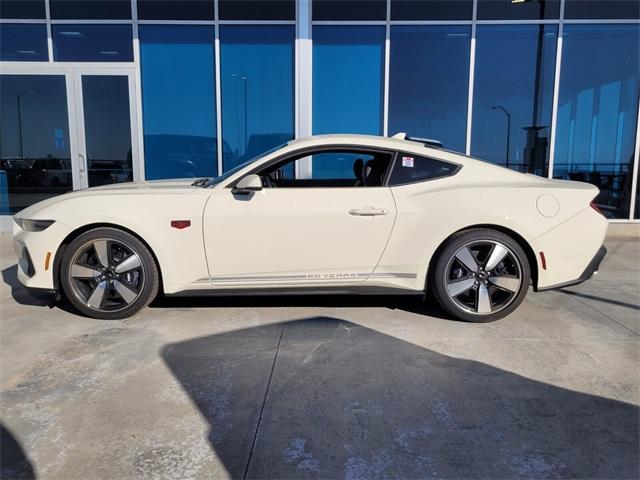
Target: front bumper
<point>589,272</point>
<point>36,255</point>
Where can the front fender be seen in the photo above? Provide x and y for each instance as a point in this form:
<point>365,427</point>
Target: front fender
<point>179,252</point>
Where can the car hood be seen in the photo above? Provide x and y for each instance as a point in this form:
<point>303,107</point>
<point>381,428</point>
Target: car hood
<point>165,187</point>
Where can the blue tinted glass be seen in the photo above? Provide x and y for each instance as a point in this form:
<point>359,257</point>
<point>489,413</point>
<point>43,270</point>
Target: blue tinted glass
<point>347,86</point>
<point>518,10</point>
<point>28,9</point>
<point>257,89</point>
<point>178,101</point>
<point>90,9</point>
<point>512,106</point>
<point>21,42</point>
<point>35,160</point>
<point>597,111</point>
<point>348,79</point>
<point>428,84</point>
<point>107,128</point>
<point>616,9</point>
<point>92,43</point>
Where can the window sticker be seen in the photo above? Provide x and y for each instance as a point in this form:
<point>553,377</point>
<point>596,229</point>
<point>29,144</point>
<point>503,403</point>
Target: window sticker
<point>407,162</point>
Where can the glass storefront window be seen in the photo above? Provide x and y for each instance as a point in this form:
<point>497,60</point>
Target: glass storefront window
<point>597,111</point>
<point>20,42</point>
<point>348,65</point>
<point>178,101</point>
<point>349,9</point>
<point>23,9</point>
<point>349,101</point>
<point>92,43</point>
<point>513,95</point>
<point>35,161</point>
<point>175,10</point>
<point>107,129</point>
<point>90,9</point>
<point>518,10</point>
<point>257,80</point>
<point>428,82</point>
<point>595,9</point>
<point>431,9</point>
<point>257,9</point>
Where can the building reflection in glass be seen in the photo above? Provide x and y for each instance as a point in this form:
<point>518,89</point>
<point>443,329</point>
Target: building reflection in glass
<point>513,95</point>
<point>597,111</point>
<point>35,162</point>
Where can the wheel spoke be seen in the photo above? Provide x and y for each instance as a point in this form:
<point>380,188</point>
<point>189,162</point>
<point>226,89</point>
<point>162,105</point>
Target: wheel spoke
<point>102,251</point>
<point>506,282</point>
<point>82,271</point>
<point>125,292</point>
<point>465,256</point>
<point>483,299</point>
<point>460,286</point>
<point>97,296</point>
<point>497,254</point>
<point>130,263</point>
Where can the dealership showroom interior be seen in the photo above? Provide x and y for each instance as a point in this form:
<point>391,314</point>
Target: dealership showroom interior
<point>320,239</point>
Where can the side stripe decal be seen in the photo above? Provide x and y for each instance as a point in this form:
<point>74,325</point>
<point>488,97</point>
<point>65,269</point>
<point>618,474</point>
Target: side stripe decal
<point>317,277</point>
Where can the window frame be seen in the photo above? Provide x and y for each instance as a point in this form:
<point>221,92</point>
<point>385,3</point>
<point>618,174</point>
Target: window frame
<point>307,151</point>
<point>399,153</point>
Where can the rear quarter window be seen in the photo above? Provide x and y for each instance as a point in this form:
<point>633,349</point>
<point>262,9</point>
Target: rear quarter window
<point>410,168</point>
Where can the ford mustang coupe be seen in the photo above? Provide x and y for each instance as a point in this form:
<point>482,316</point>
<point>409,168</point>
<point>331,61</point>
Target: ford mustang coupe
<point>326,214</point>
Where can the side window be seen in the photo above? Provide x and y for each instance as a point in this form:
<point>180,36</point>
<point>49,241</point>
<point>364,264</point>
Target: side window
<point>337,165</point>
<point>409,168</point>
<point>331,168</point>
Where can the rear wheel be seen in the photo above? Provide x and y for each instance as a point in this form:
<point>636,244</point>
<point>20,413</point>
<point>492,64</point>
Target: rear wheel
<point>480,275</point>
<point>107,273</point>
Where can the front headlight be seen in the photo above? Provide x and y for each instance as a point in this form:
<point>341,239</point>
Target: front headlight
<point>31,225</point>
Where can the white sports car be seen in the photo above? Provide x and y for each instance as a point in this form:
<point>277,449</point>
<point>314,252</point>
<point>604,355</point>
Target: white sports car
<point>326,214</point>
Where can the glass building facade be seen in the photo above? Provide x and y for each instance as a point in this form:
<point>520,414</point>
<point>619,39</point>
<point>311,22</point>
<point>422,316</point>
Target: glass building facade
<point>103,91</point>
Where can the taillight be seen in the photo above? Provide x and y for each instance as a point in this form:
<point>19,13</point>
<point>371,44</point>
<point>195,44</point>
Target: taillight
<point>595,207</point>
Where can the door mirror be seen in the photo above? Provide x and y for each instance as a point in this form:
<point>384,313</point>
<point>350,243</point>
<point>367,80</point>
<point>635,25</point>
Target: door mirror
<point>248,184</point>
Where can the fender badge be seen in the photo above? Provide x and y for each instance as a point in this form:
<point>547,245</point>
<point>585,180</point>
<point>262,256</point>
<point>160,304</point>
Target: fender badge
<point>180,224</point>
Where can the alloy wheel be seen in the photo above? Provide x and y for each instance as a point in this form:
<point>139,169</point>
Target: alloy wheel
<point>107,275</point>
<point>483,277</point>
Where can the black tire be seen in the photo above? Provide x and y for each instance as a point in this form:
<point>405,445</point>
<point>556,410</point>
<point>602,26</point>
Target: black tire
<point>449,274</point>
<point>139,284</point>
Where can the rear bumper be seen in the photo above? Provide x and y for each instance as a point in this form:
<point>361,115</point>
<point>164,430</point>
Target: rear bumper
<point>590,271</point>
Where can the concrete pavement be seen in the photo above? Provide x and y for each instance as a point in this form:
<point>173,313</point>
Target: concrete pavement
<point>352,388</point>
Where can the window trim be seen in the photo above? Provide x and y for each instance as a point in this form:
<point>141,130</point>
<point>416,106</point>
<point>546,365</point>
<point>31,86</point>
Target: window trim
<point>398,153</point>
<point>320,149</point>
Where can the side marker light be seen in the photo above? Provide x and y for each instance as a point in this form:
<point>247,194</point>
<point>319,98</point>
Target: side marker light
<point>543,260</point>
<point>180,224</point>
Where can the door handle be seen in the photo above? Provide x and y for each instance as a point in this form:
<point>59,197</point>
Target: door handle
<point>368,211</point>
<point>83,164</point>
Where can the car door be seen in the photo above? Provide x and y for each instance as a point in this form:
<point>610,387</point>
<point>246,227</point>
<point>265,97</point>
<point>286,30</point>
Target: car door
<point>319,231</point>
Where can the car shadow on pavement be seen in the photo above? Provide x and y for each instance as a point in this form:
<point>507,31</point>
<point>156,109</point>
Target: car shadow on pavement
<point>598,298</point>
<point>20,294</point>
<point>14,463</point>
<point>325,398</point>
<point>408,303</point>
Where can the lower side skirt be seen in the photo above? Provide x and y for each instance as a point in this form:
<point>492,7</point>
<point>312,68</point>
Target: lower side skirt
<point>268,292</point>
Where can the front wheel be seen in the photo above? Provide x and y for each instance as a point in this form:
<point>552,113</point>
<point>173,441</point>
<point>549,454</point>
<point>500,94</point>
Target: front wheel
<point>480,275</point>
<point>109,274</point>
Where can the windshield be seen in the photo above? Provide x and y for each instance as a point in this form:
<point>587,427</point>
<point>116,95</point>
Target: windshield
<point>215,181</point>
